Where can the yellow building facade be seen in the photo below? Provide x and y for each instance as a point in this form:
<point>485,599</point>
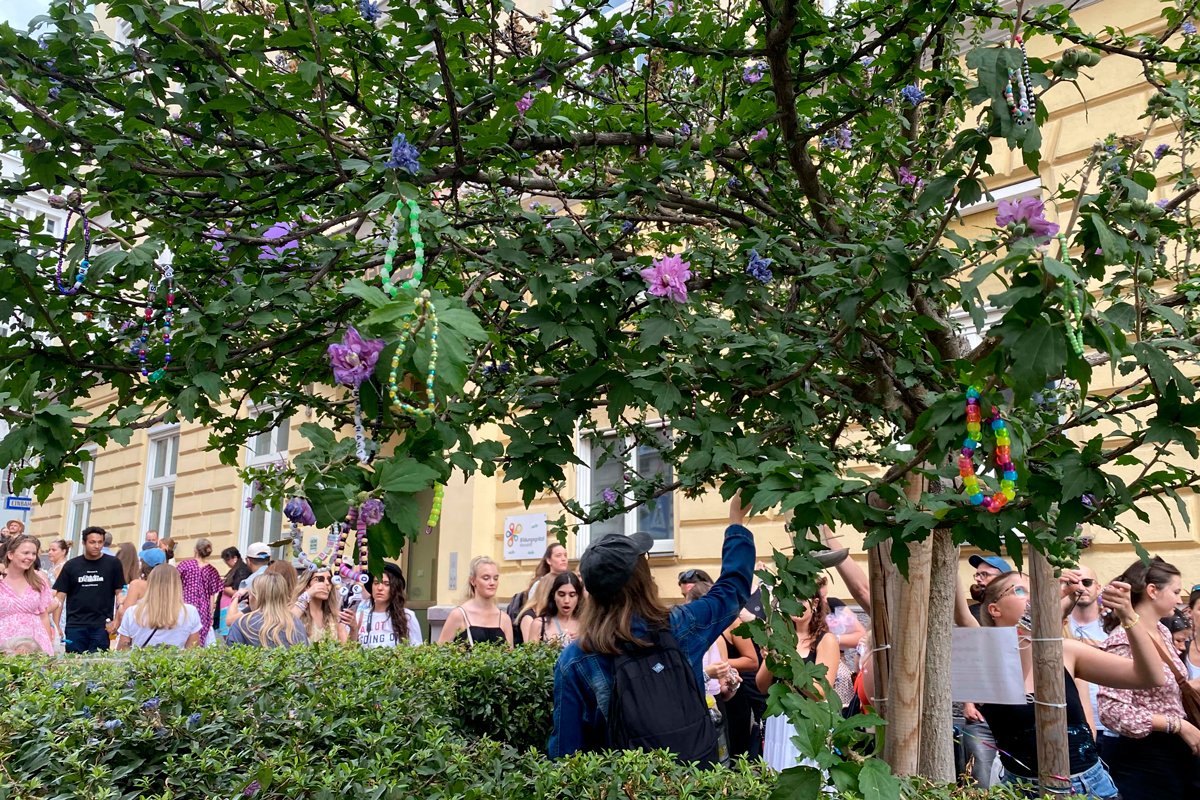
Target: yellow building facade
<point>167,479</point>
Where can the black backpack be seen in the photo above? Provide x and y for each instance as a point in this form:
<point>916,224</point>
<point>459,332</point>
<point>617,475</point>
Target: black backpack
<point>656,704</point>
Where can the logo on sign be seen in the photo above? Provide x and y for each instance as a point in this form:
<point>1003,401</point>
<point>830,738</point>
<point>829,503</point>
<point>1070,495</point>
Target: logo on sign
<point>511,533</point>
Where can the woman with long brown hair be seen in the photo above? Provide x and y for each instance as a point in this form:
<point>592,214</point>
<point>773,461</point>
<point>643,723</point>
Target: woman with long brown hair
<point>625,624</point>
<point>815,645</point>
<point>161,618</point>
<point>1154,752</point>
<point>25,596</point>
<point>387,621</point>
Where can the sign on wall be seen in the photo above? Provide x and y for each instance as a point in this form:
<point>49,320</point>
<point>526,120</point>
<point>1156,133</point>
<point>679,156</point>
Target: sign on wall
<point>524,537</point>
<point>18,503</point>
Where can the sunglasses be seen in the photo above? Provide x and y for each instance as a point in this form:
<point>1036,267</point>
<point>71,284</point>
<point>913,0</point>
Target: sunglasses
<point>1088,582</point>
<point>689,576</point>
<point>1017,591</point>
<point>320,579</point>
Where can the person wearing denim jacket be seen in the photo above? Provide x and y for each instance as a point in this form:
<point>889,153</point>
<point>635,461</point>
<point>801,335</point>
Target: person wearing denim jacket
<point>583,677</point>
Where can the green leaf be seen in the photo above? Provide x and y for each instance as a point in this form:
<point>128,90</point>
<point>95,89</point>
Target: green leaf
<point>798,783</point>
<point>1037,354</point>
<point>210,382</point>
<point>308,71</point>
<point>404,475</point>
<point>876,781</point>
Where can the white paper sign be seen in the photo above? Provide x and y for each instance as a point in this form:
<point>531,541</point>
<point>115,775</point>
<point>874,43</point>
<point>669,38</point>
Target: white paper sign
<point>985,666</point>
<point>524,537</point>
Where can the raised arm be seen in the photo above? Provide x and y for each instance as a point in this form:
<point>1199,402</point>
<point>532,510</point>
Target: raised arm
<point>856,580</point>
<point>1144,671</point>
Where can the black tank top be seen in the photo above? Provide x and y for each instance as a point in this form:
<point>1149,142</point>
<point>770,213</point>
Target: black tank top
<point>1015,732</point>
<point>478,633</point>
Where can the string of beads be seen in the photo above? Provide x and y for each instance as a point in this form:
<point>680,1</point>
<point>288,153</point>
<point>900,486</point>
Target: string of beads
<point>1003,454</point>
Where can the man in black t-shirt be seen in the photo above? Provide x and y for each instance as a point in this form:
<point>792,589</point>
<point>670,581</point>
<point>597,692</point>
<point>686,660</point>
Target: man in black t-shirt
<point>90,584</point>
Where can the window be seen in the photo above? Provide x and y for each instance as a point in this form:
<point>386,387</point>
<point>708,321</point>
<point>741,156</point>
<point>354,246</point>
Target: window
<point>160,481</point>
<point>261,523</point>
<point>81,500</point>
<point>611,461</point>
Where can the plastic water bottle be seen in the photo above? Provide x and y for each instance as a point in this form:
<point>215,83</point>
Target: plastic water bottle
<point>722,735</point>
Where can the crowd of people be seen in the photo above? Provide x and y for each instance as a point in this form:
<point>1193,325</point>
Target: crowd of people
<point>636,671</point>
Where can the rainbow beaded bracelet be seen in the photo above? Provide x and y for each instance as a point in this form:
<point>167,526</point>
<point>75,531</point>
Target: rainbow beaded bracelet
<point>1003,453</point>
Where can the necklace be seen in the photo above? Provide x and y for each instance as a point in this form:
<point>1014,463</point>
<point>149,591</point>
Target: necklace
<point>423,312</point>
<point>168,317</point>
<point>1075,329</point>
<point>1003,454</point>
<point>84,263</point>
<point>1021,106</point>
<point>414,230</point>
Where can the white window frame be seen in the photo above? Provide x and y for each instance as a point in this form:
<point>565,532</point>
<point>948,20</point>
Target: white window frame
<point>80,511</point>
<point>583,446</point>
<point>1013,191</point>
<point>273,518</point>
<point>164,482</point>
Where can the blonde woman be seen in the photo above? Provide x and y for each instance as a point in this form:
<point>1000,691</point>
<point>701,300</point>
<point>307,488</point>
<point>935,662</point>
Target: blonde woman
<point>479,619</point>
<point>316,606</point>
<point>270,622</point>
<point>161,618</point>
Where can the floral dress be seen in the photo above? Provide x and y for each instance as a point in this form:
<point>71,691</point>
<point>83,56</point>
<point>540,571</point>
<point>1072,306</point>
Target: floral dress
<point>20,615</point>
<point>200,583</point>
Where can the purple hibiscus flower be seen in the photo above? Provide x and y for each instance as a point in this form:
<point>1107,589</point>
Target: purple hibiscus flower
<point>299,511</point>
<point>404,156</point>
<point>1028,211</point>
<point>753,73</point>
<point>270,252</point>
<point>609,496</point>
<point>668,278</point>
<point>353,359</point>
<point>525,103</point>
<point>371,511</point>
<point>761,136</point>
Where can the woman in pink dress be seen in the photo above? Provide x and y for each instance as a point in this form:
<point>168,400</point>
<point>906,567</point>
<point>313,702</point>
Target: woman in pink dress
<point>201,583</point>
<point>25,595</point>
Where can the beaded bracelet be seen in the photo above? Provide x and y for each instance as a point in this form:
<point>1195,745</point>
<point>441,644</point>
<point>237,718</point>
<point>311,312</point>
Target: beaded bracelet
<point>1022,106</point>
<point>152,290</point>
<point>84,263</point>
<point>1003,453</point>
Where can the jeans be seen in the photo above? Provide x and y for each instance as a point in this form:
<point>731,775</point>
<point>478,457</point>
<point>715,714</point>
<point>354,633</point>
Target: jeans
<point>1093,782</point>
<point>980,749</point>
<point>86,640</point>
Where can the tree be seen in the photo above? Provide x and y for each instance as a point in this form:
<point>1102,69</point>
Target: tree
<point>737,217</point>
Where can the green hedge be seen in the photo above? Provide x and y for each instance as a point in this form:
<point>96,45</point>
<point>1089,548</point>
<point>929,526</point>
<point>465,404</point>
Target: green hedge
<point>321,722</point>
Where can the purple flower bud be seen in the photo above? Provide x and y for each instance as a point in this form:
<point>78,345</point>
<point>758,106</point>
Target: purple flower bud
<point>609,496</point>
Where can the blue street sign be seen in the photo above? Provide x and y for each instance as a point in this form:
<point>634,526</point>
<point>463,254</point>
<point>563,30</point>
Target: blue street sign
<point>18,503</point>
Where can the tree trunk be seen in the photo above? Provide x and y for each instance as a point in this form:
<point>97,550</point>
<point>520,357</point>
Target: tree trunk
<point>937,725</point>
<point>1048,685</point>
<point>902,745</point>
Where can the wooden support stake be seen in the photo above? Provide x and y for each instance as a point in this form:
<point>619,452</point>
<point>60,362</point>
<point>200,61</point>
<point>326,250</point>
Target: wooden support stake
<point>1049,686</point>
<point>902,747</point>
<point>878,566</point>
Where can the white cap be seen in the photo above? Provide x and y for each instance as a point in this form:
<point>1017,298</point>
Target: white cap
<point>258,550</point>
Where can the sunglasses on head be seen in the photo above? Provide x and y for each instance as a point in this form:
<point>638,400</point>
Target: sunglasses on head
<point>688,576</point>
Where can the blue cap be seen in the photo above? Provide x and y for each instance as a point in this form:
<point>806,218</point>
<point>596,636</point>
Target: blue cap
<point>996,562</point>
<point>154,557</point>
<point>149,546</point>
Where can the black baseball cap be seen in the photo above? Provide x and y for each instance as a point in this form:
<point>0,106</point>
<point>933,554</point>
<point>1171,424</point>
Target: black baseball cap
<point>608,564</point>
